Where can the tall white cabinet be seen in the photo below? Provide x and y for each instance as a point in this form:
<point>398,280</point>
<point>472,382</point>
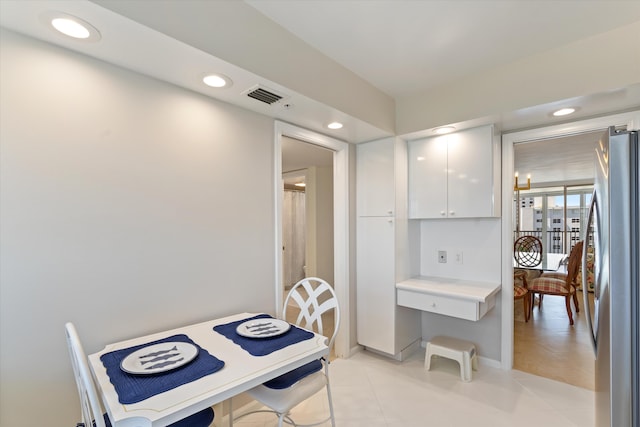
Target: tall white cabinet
<point>382,240</point>
<point>455,175</point>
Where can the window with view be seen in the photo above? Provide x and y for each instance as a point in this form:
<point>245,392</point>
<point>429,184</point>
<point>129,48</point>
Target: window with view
<point>556,215</point>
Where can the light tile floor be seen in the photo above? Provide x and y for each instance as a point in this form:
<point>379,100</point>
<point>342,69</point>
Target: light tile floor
<point>372,391</point>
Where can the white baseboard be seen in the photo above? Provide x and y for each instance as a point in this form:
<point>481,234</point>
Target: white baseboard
<point>355,349</point>
<point>402,354</point>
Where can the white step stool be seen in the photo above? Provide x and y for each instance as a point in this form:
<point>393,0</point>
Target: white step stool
<point>464,352</point>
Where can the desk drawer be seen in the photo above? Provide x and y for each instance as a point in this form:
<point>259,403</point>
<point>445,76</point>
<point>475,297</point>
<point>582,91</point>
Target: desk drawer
<point>455,307</point>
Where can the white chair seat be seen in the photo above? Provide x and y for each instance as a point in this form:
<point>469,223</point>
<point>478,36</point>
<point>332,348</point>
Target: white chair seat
<point>283,400</point>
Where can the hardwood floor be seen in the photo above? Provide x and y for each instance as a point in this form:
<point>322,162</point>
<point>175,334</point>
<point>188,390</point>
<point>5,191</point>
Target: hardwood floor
<point>549,347</point>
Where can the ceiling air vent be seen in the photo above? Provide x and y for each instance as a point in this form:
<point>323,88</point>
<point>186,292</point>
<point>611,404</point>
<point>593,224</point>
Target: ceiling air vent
<point>262,94</point>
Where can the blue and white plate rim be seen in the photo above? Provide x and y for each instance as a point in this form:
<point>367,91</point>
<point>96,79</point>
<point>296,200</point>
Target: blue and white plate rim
<point>132,364</point>
<point>245,328</point>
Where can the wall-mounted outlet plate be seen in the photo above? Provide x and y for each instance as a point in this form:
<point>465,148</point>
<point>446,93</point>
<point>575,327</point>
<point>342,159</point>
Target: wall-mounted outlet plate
<point>459,257</point>
<point>442,256</point>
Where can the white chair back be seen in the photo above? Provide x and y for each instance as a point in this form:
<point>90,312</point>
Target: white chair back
<point>314,297</point>
<point>89,402</point>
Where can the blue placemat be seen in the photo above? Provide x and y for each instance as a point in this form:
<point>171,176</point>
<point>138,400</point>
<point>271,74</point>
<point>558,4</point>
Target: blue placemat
<point>134,388</point>
<point>292,377</point>
<point>262,346</point>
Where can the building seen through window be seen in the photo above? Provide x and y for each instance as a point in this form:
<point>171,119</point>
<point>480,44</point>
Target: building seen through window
<point>557,216</point>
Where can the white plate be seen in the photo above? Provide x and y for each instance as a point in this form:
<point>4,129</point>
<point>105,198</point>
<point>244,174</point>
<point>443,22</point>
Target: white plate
<point>159,358</point>
<point>262,328</point>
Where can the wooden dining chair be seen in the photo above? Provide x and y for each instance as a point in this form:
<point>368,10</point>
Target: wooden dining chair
<point>313,297</point>
<point>527,251</point>
<point>521,291</point>
<point>91,413</point>
<point>563,284</point>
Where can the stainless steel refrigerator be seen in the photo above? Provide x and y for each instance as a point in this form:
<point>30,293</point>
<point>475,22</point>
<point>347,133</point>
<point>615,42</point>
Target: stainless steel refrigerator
<point>611,255</point>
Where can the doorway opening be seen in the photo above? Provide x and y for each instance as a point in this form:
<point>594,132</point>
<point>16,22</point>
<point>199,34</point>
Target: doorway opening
<point>547,344</point>
<point>326,247</point>
<point>509,143</point>
<point>307,211</point>
<point>294,236</point>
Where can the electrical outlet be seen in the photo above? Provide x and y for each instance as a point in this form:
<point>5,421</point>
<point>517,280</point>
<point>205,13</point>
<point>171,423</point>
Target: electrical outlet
<point>459,257</point>
<point>442,256</point>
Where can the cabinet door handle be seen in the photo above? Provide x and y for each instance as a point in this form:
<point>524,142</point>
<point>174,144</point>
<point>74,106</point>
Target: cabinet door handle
<point>390,212</point>
<point>452,212</point>
<point>443,213</point>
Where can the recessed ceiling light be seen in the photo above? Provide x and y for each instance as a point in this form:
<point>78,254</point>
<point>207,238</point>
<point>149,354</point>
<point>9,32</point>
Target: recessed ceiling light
<point>444,129</point>
<point>335,125</point>
<point>217,80</point>
<point>300,184</point>
<point>564,112</point>
<point>70,26</point>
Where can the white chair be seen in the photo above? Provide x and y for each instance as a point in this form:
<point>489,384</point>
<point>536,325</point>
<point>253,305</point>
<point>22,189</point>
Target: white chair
<point>313,296</point>
<point>91,409</point>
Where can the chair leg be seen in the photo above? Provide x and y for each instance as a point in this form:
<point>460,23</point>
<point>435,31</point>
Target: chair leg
<point>326,372</point>
<point>532,297</point>
<point>333,418</point>
<point>525,303</point>
<point>575,301</point>
<point>568,304</point>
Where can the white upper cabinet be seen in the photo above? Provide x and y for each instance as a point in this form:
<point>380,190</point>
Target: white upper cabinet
<point>455,175</point>
<point>428,177</point>
<point>375,177</point>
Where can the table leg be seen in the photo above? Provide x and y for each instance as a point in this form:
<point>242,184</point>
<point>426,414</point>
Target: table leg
<point>220,409</point>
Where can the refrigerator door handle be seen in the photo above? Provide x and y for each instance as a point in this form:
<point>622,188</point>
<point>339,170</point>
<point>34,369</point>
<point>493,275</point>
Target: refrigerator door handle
<point>585,284</point>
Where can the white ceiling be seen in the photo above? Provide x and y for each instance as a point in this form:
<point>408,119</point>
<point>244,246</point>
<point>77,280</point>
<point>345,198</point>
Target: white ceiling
<point>408,46</point>
<point>405,46</point>
<point>566,160</point>
<point>399,46</point>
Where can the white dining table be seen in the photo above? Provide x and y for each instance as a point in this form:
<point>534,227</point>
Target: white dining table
<point>241,372</point>
<point>550,262</point>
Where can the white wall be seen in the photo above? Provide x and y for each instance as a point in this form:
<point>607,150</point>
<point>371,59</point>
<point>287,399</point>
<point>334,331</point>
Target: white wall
<point>601,63</point>
<point>117,213</point>
<point>319,204</point>
<point>480,242</point>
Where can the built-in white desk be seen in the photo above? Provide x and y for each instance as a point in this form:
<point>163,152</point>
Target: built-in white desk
<point>464,299</point>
